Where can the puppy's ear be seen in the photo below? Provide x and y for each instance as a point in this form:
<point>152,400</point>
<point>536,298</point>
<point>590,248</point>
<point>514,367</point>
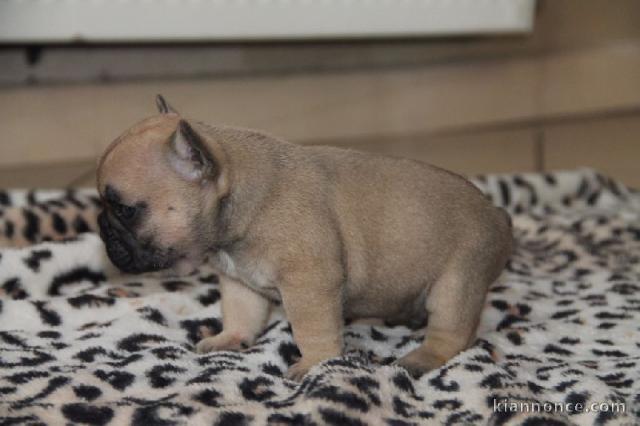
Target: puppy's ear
<point>163,106</point>
<point>189,155</point>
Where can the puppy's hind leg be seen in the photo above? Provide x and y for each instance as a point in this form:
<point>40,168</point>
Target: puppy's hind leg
<point>244,313</point>
<point>454,304</point>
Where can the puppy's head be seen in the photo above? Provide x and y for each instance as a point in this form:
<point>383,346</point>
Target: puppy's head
<point>161,183</point>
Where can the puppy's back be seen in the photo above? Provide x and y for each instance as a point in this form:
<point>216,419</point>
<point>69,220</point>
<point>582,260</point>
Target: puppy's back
<point>394,213</point>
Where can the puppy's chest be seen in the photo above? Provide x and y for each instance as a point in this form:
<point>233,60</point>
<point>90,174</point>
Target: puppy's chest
<point>255,273</point>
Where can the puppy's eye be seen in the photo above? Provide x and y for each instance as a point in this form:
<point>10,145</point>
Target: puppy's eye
<point>123,211</point>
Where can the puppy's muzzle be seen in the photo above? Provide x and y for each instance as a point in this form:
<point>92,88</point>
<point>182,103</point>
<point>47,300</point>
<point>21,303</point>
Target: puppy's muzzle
<point>125,251</point>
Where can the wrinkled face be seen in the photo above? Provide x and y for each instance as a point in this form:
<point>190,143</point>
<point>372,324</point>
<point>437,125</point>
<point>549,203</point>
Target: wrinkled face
<point>153,216</point>
<point>129,246</point>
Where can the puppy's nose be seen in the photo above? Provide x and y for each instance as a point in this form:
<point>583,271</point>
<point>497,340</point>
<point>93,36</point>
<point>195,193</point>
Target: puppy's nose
<point>118,253</point>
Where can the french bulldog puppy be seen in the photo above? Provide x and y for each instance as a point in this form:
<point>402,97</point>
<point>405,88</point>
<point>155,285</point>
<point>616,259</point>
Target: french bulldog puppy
<point>333,234</point>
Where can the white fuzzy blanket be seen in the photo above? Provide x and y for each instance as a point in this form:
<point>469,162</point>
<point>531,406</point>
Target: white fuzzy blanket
<point>82,344</point>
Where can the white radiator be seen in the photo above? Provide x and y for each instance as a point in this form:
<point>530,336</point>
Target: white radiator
<point>49,21</point>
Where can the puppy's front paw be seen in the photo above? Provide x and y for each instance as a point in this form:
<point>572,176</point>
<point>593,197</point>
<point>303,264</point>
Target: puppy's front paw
<point>419,362</point>
<point>225,341</point>
<point>298,370</point>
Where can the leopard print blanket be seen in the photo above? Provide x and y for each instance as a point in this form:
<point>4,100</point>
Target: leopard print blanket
<point>559,341</point>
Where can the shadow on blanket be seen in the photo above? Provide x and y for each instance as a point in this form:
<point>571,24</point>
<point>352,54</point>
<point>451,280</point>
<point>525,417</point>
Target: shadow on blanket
<point>81,343</point>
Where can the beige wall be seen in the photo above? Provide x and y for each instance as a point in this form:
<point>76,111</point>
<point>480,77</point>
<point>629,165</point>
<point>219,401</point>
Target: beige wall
<point>567,96</point>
